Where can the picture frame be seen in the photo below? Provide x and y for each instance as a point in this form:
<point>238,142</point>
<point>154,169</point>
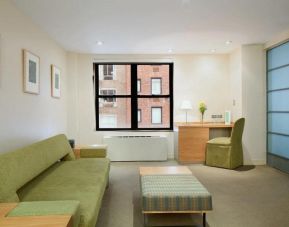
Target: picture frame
<point>55,81</point>
<point>31,73</point>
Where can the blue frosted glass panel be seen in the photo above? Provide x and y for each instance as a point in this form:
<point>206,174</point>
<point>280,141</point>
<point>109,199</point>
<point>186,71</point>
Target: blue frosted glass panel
<point>278,56</point>
<point>278,100</point>
<point>278,145</point>
<point>278,78</point>
<point>278,122</point>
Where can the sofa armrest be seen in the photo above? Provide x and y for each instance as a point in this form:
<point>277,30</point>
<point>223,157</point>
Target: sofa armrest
<point>46,209</point>
<point>94,151</point>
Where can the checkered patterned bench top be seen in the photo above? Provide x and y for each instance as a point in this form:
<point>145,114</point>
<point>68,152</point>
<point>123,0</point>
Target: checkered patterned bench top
<point>174,193</point>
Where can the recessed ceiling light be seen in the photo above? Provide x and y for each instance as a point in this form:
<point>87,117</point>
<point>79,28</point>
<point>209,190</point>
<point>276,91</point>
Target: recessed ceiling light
<point>213,50</point>
<point>99,43</point>
<point>228,42</point>
<point>170,50</point>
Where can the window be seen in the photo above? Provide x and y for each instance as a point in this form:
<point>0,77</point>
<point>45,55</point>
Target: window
<point>138,85</point>
<point>108,92</point>
<point>156,115</point>
<point>108,72</point>
<point>107,121</point>
<point>144,96</point>
<point>278,107</point>
<point>156,86</point>
<point>138,115</point>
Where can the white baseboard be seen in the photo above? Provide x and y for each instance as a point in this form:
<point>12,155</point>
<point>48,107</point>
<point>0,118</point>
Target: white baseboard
<point>256,162</point>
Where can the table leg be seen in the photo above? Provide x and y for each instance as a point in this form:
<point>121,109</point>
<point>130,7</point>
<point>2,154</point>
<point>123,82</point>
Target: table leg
<point>204,220</point>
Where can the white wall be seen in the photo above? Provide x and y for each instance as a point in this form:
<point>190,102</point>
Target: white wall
<point>236,84</point>
<point>26,118</point>
<point>254,103</point>
<point>196,77</point>
<point>248,88</point>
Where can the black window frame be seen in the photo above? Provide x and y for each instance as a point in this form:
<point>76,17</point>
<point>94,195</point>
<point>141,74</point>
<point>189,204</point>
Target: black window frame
<point>134,96</point>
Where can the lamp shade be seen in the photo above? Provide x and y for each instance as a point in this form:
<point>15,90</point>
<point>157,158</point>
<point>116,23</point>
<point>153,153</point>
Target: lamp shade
<point>186,105</point>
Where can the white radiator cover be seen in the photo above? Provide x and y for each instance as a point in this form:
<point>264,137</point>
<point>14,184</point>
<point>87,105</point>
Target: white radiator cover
<point>137,148</point>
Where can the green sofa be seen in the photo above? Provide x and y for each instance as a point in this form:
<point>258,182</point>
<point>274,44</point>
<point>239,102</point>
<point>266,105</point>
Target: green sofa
<point>48,171</point>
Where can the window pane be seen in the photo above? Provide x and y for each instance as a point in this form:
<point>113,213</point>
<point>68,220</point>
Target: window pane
<point>138,86</point>
<point>107,121</point>
<point>138,115</point>
<point>278,100</point>
<point>278,56</point>
<point>115,114</point>
<point>156,86</point>
<point>278,145</point>
<point>278,122</point>
<point>278,78</point>
<point>155,112</point>
<point>154,79</point>
<point>117,77</point>
<point>157,115</point>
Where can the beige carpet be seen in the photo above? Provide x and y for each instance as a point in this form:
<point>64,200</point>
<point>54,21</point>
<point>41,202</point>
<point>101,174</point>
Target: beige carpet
<point>247,197</point>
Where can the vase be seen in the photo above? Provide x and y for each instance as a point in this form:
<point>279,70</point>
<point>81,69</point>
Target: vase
<point>202,118</point>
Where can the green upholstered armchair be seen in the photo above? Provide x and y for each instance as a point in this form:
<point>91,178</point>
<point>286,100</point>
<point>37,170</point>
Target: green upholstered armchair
<point>227,152</point>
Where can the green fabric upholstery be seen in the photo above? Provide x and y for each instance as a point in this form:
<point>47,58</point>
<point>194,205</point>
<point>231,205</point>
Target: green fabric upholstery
<point>227,152</point>
<point>22,165</point>
<point>69,157</point>
<point>42,208</point>
<point>48,171</point>
<point>83,180</point>
<point>226,141</point>
<point>98,151</point>
<point>174,193</point>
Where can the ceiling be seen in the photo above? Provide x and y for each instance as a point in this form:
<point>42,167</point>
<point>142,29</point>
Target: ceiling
<point>154,26</point>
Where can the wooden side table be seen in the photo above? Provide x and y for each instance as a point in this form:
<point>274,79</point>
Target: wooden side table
<point>32,221</point>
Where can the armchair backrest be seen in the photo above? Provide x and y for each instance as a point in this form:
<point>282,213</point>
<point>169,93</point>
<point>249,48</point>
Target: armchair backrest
<point>237,131</point>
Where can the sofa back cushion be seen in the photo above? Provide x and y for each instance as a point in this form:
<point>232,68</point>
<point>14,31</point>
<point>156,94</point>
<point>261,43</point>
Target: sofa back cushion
<point>22,165</point>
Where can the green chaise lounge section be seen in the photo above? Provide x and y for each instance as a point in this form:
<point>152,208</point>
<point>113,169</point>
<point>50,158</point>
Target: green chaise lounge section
<point>48,171</point>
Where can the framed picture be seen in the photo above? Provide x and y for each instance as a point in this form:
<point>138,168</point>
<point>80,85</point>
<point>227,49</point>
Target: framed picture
<point>31,72</point>
<point>55,81</point>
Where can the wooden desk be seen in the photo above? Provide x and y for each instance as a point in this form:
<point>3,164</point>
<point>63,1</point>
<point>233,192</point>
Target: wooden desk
<point>193,138</point>
<point>32,221</point>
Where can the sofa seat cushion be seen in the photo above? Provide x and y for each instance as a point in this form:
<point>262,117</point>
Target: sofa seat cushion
<point>43,208</point>
<point>83,180</point>
<point>225,141</point>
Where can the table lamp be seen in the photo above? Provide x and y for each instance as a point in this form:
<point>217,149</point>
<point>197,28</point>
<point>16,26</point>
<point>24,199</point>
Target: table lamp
<point>186,106</point>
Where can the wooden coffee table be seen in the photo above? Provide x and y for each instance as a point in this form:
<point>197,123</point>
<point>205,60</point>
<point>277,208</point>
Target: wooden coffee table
<point>157,170</point>
<point>173,189</point>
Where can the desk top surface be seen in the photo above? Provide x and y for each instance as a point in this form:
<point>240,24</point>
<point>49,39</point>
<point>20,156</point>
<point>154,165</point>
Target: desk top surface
<point>167,170</point>
<point>204,125</point>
